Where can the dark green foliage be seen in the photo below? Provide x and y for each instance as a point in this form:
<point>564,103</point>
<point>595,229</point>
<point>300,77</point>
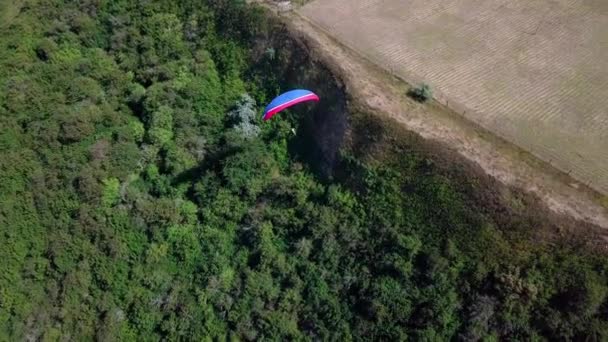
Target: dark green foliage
<point>421,93</point>
<point>143,199</point>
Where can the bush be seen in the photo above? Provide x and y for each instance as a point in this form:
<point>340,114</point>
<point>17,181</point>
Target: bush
<point>244,115</point>
<point>422,93</point>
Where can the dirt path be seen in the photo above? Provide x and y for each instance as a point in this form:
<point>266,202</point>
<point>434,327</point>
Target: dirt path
<point>384,94</point>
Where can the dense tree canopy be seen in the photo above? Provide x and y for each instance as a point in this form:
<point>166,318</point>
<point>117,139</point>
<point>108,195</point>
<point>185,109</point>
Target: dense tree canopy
<point>142,198</point>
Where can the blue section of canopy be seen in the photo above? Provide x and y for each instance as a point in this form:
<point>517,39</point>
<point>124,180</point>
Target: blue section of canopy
<point>285,98</point>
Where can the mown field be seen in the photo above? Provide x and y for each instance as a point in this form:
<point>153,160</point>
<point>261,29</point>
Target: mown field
<point>533,72</point>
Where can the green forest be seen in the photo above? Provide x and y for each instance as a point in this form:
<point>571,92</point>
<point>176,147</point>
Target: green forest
<point>142,197</point>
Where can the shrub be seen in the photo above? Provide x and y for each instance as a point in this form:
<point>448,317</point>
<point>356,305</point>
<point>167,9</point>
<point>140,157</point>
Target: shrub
<point>422,93</point>
<point>244,115</point>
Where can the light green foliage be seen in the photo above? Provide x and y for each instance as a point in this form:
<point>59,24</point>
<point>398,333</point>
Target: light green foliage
<point>85,88</point>
<point>178,159</point>
<point>67,54</point>
<point>111,192</point>
<point>160,130</point>
<point>136,92</point>
<point>135,130</point>
<point>141,200</point>
<point>165,29</point>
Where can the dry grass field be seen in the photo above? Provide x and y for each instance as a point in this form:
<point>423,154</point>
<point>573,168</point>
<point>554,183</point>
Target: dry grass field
<point>534,72</point>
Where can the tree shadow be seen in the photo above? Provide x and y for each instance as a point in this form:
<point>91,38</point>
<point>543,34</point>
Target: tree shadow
<point>320,136</point>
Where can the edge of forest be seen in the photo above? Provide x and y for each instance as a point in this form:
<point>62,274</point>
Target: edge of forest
<point>369,87</point>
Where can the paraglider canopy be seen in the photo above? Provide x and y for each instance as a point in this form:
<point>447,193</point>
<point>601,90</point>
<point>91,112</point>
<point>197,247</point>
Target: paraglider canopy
<point>287,100</point>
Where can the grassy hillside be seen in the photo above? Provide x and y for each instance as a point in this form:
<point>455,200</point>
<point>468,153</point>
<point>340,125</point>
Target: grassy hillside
<point>143,198</point>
